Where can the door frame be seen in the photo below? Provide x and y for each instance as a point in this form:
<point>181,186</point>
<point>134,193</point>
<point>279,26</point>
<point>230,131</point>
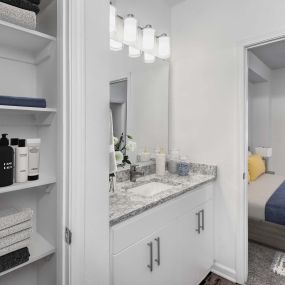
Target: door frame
<point>242,119</point>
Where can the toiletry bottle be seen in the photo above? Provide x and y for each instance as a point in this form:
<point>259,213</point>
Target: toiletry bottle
<point>6,162</point>
<point>21,162</point>
<point>183,166</point>
<point>172,161</point>
<point>160,162</point>
<point>14,144</point>
<point>33,158</point>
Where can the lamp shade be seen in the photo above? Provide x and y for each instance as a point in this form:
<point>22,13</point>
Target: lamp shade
<point>115,45</point>
<point>149,58</point>
<point>112,19</point>
<point>265,152</point>
<point>164,46</point>
<point>130,29</point>
<point>134,52</point>
<point>148,38</point>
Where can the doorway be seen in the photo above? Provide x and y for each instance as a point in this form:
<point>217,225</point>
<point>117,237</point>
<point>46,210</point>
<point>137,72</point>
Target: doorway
<point>255,132</point>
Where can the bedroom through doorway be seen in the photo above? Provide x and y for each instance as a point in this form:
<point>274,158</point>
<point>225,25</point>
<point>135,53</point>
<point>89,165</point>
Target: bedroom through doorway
<point>266,163</point>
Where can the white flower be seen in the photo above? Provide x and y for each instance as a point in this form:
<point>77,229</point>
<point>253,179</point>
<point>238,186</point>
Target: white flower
<point>115,140</point>
<point>119,157</point>
<point>131,146</point>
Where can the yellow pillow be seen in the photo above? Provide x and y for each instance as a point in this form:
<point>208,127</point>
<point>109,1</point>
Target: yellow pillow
<point>256,166</point>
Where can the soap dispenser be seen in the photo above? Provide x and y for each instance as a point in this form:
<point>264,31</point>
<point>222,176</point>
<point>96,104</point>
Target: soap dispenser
<point>6,162</point>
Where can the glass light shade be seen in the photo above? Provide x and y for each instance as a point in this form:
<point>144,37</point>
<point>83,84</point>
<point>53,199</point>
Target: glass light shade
<point>115,45</point>
<point>148,38</point>
<point>149,58</point>
<point>134,52</point>
<point>130,29</point>
<point>164,46</point>
<point>112,19</point>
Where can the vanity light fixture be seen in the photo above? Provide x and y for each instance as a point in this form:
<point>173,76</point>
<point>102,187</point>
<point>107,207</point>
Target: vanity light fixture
<point>112,18</point>
<point>134,52</point>
<point>148,38</point>
<point>164,46</point>
<point>149,58</point>
<point>115,45</point>
<point>130,29</point>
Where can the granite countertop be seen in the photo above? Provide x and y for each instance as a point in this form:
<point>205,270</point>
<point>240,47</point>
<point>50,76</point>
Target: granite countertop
<point>125,205</point>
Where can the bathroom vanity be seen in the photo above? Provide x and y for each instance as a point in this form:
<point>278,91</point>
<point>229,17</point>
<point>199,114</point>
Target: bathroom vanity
<point>163,235</point>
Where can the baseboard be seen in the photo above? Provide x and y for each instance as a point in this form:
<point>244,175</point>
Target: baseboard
<point>224,271</point>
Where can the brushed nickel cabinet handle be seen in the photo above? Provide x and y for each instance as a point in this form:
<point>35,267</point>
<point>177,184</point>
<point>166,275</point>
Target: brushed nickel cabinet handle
<point>157,260</point>
<point>203,219</point>
<point>198,230</point>
<point>150,265</point>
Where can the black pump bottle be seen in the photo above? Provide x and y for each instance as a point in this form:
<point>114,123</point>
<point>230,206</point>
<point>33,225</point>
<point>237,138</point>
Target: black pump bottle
<point>6,162</point>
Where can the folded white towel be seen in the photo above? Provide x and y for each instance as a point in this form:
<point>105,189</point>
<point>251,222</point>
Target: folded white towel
<point>14,238</point>
<point>15,229</point>
<point>15,246</point>
<point>11,217</point>
<point>18,16</point>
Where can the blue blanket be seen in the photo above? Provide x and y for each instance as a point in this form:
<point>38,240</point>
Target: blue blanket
<point>275,206</point>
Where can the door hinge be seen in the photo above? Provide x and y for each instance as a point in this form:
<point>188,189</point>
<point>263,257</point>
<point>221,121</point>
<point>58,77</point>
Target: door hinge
<point>68,236</point>
<point>243,176</point>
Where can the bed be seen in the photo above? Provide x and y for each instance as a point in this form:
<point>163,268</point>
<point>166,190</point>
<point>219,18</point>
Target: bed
<point>266,210</point>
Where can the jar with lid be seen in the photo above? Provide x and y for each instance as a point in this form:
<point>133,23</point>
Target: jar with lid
<point>183,166</point>
<point>172,161</point>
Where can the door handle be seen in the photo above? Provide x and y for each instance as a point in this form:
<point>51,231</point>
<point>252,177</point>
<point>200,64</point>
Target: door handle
<point>150,265</point>
<point>198,230</point>
<point>158,251</point>
<point>203,219</point>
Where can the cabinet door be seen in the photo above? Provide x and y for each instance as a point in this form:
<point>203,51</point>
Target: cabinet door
<point>203,240</point>
<point>176,253</point>
<point>135,265</point>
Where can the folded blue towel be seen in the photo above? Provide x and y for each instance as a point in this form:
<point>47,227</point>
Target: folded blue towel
<point>23,101</point>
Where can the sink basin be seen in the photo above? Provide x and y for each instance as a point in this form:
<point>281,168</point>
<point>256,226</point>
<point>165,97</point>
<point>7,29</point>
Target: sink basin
<point>150,189</point>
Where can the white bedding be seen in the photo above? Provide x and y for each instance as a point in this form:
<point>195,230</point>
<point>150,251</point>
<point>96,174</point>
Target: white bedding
<point>259,193</point>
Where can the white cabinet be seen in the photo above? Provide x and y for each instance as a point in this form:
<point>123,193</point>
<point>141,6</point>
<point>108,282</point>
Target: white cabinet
<point>178,251</point>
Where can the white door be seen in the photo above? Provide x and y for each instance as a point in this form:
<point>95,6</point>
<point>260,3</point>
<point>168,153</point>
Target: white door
<point>135,265</point>
<point>202,236</point>
<point>175,253</point>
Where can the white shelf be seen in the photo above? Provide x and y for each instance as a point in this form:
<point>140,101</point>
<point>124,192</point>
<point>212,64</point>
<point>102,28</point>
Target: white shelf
<point>40,116</point>
<point>39,249</point>
<point>23,40</point>
<point>43,181</point>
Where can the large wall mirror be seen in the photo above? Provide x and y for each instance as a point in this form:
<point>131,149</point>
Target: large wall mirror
<point>139,103</point>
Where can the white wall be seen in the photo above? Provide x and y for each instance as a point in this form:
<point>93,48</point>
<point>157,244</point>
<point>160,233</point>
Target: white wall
<point>278,121</point>
<point>267,118</point>
<point>204,124</point>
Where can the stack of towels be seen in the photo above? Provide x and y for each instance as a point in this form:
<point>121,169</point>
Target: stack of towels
<point>20,12</point>
<point>15,237</point>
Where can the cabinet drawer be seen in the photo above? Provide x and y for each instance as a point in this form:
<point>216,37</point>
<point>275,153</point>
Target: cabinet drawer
<point>135,229</point>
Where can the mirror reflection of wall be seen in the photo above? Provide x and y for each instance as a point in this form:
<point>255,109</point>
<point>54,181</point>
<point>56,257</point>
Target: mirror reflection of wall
<point>118,105</point>
<point>139,101</point>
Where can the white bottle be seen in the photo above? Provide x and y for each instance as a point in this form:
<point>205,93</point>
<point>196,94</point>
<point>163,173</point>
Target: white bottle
<point>33,158</point>
<point>160,163</point>
<point>21,162</point>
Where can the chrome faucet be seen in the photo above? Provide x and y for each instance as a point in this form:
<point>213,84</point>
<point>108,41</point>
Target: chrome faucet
<point>134,173</point>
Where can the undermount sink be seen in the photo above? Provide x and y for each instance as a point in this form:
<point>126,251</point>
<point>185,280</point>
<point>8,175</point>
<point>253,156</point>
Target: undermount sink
<point>150,189</point>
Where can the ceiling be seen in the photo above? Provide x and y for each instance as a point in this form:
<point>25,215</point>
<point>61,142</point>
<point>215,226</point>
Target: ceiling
<point>273,55</point>
<point>173,2</point>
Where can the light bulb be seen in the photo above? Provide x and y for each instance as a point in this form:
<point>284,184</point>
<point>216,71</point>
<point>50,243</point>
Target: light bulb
<point>130,29</point>
<point>115,45</point>
<point>134,52</point>
<point>164,46</point>
<point>112,19</point>
<point>148,38</point>
<point>149,58</point>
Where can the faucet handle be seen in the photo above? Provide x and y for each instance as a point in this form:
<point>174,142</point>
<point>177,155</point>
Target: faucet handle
<point>134,167</point>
